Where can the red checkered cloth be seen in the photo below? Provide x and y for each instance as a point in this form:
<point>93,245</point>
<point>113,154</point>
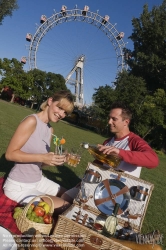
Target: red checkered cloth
<point>6,211</point>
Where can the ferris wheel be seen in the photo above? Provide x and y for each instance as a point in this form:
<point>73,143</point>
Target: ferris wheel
<point>101,23</point>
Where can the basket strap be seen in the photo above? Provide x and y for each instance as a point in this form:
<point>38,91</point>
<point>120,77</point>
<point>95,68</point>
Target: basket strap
<point>122,191</point>
<point>111,196</point>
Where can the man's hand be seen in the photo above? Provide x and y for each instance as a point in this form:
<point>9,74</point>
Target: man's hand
<point>108,150</point>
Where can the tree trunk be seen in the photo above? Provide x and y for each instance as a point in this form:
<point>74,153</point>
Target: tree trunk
<point>32,105</point>
<point>164,144</point>
<point>148,132</point>
<point>13,96</point>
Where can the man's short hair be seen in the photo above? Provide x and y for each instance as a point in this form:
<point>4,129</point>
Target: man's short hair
<point>126,111</point>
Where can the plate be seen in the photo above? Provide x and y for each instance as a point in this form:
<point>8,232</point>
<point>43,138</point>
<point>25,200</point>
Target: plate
<point>7,241</point>
<point>107,207</point>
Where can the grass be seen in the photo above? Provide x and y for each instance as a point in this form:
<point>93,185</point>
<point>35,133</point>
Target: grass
<point>11,115</point>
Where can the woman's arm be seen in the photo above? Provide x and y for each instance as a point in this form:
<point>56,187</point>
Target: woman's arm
<point>52,131</point>
<point>20,137</point>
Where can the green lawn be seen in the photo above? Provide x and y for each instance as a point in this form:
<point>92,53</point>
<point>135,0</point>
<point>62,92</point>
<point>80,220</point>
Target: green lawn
<point>11,115</point>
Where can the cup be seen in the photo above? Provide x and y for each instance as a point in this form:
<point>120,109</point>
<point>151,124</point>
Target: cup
<point>73,159</point>
<point>99,223</point>
<point>141,193</point>
<point>92,176</point>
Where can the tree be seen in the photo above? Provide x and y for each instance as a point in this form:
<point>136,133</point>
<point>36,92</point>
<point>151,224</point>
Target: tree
<point>151,114</point>
<point>103,97</point>
<point>38,88</point>
<point>35,85</point>
<point>148,61</point>
<point>16,78</point>
<point>6,8</point>
<point>154,107</point>
<point>149,55</point>
<point>130,89</point>
<point>45,84</point>
<point>54,82</point>
<point>148,108</point>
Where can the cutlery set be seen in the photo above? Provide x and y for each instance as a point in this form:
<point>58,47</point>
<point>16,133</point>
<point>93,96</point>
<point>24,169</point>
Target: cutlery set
<point>83,219</point>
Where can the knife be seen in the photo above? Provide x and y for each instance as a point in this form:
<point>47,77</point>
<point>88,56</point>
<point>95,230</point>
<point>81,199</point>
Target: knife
<point>77,216</point>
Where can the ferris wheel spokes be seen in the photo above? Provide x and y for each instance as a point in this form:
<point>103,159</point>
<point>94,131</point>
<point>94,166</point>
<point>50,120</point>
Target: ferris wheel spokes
<point>80,15</point>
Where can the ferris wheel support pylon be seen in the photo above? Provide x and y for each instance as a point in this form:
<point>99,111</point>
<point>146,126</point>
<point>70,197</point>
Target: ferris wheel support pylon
<point>78,82</point>
<point>80,15</point>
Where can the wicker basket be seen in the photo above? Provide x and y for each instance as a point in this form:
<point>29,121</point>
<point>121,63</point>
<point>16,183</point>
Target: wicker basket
<point>70,235</point>
<point>24,224</point>
<point>134,205</point>
<point>66,227</point>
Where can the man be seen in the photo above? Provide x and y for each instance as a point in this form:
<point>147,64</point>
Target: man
<point>133,150</point>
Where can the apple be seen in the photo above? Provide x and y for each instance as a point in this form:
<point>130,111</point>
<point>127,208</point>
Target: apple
<point>47,219</point>
<point>32,206</point>
<point>45,206</point>
<point>39,211</point>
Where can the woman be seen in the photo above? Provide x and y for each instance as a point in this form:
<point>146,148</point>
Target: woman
<point>29,149</point>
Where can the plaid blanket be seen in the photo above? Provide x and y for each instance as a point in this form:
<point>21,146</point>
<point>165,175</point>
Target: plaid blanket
<point>6,211</point>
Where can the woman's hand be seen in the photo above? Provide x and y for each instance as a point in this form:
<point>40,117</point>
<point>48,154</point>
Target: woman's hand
<point>108,150</point>
<point>52,159</point>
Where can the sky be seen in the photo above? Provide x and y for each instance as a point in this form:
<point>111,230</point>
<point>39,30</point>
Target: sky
<point>65,43</point>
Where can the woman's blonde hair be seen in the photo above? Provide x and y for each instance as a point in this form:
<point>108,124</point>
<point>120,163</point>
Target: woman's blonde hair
<point>61,96</point>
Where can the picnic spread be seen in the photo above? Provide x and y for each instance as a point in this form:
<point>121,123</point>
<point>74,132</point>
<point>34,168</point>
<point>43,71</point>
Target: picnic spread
<point>99,207</point>
<point>82,225</point>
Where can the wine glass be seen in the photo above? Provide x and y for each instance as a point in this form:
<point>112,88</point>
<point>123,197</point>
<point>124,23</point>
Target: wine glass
<point>83,196</point>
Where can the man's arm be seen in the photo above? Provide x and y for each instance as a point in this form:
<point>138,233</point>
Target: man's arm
<point>141,154</point>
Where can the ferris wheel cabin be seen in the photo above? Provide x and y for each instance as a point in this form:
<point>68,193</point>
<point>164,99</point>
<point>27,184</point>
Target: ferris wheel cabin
<point>120,36</point>
<point>86,8</point>
<point>28,37</point>
<point>43,18</point>
<point>23,60</point>
<point>63,10</point>
<point>105,19</point>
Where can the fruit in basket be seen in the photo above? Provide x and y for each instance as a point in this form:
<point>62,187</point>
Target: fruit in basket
<point>36,219</point>
<point>38,214</point>
<point>29,211</point>
<point>15,215</point>
<point>40,220</point>
<point>45,206</point>
<point>39,211</point>
<point>17,212</point>
<point>33,214</point>
<point>47,219</point>
<point>17,209</point>
<point>32,206</point>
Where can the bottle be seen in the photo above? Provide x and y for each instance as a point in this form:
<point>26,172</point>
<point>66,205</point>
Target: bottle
<point>111,222</point>
<point>111,160</point>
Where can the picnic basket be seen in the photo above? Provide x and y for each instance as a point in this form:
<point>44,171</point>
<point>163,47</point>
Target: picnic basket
<point>131,181</point>
<point>68,233</point>
<point>24,224</point>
